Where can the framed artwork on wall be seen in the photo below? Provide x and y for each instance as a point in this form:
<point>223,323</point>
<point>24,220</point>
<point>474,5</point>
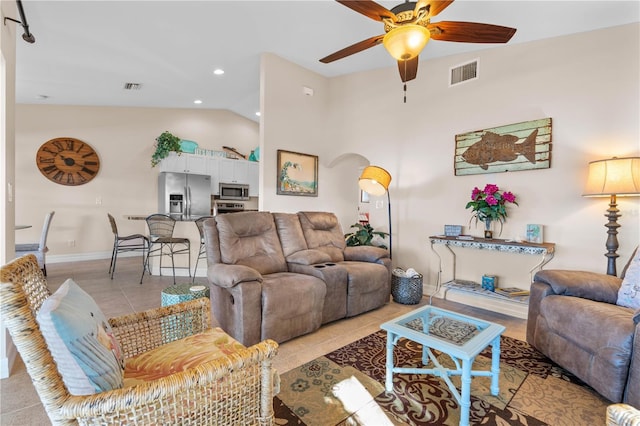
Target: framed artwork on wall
<point>297,174</point>
<point>514,147</point>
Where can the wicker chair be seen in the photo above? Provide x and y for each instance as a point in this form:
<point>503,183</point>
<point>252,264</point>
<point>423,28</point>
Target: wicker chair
<point>232,390</point>
<point>622,415</point>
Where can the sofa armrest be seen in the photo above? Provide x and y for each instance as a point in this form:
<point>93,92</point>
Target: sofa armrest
<point>632,392</point>
<point>370,254</point>
<point>588,285</point>
<point>227,276</point>
<point>308,257</point>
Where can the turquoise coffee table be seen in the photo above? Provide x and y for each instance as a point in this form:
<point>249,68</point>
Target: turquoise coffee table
<point>460,336</point>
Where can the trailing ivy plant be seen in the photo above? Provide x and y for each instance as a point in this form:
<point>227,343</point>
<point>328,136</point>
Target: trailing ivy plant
<point>363,235</point>
<point>165,143</point>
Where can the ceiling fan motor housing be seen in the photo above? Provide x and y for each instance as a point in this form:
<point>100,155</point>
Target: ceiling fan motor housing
<point>404,15</point>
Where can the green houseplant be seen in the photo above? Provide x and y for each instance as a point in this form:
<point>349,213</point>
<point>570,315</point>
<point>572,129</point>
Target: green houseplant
<point>165,143</point>
<point>363,235</point>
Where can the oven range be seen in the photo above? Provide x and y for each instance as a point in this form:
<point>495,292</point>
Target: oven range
<point>227,207</point>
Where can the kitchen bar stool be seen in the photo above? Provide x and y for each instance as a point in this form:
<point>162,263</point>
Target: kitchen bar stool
<point>126,243</point>
<point>163,243</point>
<point>202,253</point>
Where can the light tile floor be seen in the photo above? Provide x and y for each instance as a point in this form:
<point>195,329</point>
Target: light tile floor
<point>20,405</point>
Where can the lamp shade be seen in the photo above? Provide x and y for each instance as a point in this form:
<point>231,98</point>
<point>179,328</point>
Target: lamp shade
<point>374,180</point>
<point>406,42</point>
<point>614,176</point>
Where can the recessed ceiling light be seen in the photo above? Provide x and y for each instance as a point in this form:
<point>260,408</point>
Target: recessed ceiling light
<point>218,71</point>
<point>258,113</point>
<point>197,101</point>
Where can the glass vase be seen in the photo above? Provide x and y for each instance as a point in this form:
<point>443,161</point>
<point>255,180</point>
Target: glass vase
<point>488,232</point>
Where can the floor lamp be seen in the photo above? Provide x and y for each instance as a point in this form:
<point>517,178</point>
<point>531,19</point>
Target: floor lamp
<point>375,180</point>
<point>614,177</point>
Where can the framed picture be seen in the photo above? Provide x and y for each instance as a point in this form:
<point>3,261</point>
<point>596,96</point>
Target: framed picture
<point>535,233</point>
<point>297,174</point>
<point>514,147</point>
<point>364,196</point>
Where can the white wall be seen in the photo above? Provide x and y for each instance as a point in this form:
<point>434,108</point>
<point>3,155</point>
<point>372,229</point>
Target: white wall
<point>7,143</point>
<point>587,83</point>
<point>126,183</point>
<point>293,121</point>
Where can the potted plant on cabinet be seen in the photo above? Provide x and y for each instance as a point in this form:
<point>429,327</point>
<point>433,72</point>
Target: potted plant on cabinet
<point>165,143</point>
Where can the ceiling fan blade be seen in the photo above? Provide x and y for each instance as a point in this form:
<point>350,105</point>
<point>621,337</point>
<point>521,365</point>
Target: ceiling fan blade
<point>354,48</point>
<point>408,69</point>
<point>470,32</point>
<point>369,9</point>
<point>435,7</point>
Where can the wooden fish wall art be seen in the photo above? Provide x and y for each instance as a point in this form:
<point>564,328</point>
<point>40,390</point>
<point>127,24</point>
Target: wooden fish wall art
<point>510,148</point>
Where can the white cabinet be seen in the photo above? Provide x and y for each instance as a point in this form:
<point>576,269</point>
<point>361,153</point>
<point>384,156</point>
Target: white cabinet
<point>185,163</point>
<point>220,169</point>
<point>214,171</point>
<point>233,171</point>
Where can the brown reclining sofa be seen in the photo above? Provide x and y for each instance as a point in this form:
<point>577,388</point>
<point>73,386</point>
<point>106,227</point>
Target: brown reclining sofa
<point>281,275</point>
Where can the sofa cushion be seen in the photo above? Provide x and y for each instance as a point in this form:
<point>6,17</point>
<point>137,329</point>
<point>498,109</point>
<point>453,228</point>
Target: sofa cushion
<point>250,239</point>
<point>322,231</point>
<point>81,341</point>
<point>290,233</point>
<point>292,305</point>
<point>629,293</point>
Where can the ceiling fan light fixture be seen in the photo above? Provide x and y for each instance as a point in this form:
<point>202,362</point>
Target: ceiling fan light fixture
<point>406,41</point>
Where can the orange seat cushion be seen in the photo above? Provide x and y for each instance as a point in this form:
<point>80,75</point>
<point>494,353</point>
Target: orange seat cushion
<point>180,355</point>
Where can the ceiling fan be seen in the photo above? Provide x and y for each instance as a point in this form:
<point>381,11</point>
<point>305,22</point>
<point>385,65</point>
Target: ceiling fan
<point>408,28</point>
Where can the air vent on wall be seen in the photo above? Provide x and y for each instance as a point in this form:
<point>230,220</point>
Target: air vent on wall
<point>464,72</point>
<point>132,86</point>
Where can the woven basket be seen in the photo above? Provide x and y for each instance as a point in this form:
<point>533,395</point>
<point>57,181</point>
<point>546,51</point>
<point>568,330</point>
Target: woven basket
<point>406,290</point>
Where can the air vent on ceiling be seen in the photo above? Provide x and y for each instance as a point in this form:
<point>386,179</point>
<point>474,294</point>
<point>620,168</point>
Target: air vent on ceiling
<point>132,86</point>
<point>464,72</point>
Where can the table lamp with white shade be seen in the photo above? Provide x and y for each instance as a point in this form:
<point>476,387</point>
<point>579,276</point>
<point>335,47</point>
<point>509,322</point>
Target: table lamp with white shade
<point>614,177</point>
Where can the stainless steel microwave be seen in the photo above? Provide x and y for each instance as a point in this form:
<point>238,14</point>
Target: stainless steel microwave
<point>234,191</point>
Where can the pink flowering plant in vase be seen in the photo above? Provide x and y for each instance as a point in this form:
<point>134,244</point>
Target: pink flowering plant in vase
<point>489,205</point>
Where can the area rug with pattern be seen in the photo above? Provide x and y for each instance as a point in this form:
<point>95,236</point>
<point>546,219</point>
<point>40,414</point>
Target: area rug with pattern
<point>346,387</point>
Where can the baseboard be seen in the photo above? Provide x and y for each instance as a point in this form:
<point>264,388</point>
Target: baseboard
<point>78,257</point>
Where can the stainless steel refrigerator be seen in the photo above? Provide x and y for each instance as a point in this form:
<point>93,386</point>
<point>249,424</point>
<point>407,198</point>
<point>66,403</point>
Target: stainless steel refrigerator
<point>184,195</point>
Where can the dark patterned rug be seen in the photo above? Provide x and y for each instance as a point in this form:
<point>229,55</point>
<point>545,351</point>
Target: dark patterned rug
<point>346,387</point>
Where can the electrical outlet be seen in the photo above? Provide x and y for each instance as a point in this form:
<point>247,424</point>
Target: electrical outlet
<point>98,201</point>
<point>379,204</point>
<point>71,243</point>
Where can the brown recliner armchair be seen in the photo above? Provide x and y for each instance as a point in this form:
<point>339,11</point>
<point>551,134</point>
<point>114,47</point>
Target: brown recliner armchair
<point>253,294</point>
<point>574,320</point>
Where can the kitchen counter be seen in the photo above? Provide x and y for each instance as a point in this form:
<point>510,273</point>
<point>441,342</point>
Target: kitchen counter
<point>177,218</point>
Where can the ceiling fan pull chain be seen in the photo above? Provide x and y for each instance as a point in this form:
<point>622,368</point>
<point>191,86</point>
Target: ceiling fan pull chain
<point>405,81</point>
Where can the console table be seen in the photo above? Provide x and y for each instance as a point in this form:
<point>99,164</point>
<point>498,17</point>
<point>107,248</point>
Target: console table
<point>516,306</point>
